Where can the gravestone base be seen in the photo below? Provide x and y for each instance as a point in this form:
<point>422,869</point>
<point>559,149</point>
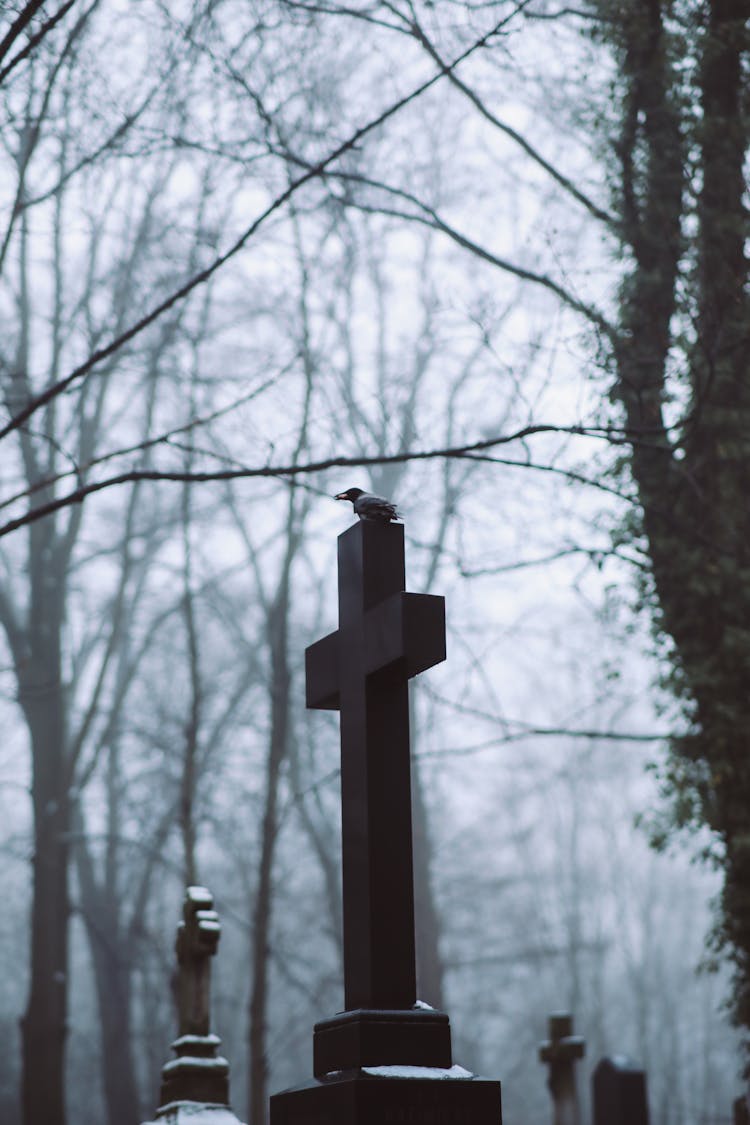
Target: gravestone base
<point>381,1037</point>
<point>358,1098</point>
<point>198,1074</point>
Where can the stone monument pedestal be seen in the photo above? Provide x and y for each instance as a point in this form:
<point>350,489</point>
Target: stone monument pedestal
<point>381,1037</point>
<point>391,1095</point>
<point>197,1074</point>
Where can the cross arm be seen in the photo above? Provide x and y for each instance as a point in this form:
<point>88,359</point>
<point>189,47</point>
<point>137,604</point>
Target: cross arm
<point>322,673</point>
<point>567,1049</point>
<point>408,627</point>
<point>405,626</point>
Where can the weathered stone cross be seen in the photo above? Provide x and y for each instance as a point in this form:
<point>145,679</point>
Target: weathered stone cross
<point>385,636</point>
<point>198,1073</point>
<point>196,943</point>
<point>561,1052</point>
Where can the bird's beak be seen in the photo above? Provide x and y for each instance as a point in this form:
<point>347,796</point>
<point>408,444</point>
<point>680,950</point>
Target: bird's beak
<point>341,496</point>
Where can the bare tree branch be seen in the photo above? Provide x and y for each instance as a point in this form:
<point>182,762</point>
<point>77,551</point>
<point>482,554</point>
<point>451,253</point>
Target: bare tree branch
<point>611,435</point>
<point>431,218</point>
<point>22,20</point>
<point>276,204</point>
<point>35,39</point>
<point>414,29</point>
<point>165,438</point>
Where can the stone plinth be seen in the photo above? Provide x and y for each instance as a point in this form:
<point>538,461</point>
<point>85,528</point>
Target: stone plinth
<point>381,1037</point>
<point>396,1095</point>
<point>198,1074</point>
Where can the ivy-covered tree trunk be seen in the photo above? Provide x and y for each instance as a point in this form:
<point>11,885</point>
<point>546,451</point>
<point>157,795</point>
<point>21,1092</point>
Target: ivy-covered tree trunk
<point>716,648</point>
<point>694,481</point>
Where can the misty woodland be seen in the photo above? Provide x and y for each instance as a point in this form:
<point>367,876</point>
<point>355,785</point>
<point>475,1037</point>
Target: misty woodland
<point>487,260</point>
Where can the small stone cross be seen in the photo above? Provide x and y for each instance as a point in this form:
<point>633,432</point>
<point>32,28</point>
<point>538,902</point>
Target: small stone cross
<point>197,940</point>
<point>560,1052</point>
<point>384,637</point>
<point>198,1074</point>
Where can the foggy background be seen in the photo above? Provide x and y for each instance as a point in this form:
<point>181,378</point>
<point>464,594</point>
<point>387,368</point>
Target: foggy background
<point>141,142</point>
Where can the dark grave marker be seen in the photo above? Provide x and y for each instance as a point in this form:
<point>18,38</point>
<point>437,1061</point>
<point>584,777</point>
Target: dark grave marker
<point>198,1074</point>
<point>385,637</point>
<point>619,1093</point>
<point>561,1052</point>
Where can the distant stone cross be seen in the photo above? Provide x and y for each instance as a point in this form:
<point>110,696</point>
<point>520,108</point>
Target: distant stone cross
<point>384,637</point>
<point>197,940</point>
<point>198,1074</point>
<point>560,1052</point>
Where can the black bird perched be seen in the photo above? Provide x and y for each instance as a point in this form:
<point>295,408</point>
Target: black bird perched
<point>369,507</point>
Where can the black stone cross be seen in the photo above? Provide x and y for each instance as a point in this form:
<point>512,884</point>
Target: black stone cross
<point>385,636</point>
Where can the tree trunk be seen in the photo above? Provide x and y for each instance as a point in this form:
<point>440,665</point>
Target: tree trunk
<point>261,920</point>
<point>112,965</point>
<point>715,648</point>
<point>44,1024</point>
<point>42,697</point>
<point>695,511</point>
<point>113,990</point>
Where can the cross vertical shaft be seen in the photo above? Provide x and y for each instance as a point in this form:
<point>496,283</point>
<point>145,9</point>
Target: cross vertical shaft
<point>385,636</point>
<point>379,957</point>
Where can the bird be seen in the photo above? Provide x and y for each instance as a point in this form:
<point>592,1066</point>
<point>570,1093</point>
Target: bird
<point>369,507</point>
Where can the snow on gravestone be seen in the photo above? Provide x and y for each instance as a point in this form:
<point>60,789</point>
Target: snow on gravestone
<point>194,1113</point>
